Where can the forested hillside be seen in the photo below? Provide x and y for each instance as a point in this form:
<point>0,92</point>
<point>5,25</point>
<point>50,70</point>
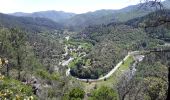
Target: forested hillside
<point>56,16</point>
<point>28,24</point>
<point>111,44</point>
<point>154,24</point>
<point>32,58</point>
<point>102,55</point>
<point>78,21</point>
<point>150,81</point>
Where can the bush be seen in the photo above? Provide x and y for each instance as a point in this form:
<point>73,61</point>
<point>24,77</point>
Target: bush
<point>76,94</point>
<point>104,93</point>
<point>11,89</point>
<point>45,75</point>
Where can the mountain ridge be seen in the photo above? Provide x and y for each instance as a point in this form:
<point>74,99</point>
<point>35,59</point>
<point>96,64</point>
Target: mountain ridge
<point>50,14</point>
<point>28,23</point>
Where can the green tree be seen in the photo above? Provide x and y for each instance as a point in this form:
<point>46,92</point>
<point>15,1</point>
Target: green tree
<point>5,44</point>
<point>18,41</point>
<point>104,93</point>
<point>76,94</point>
<point>6,49</point>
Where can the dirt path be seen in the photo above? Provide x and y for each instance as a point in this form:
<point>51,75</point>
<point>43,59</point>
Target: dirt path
<point>113,70</point>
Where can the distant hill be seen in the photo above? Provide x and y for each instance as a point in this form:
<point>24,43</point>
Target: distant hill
<point>19,14</point>
<point>80,21</point>
<point>28,23</point>
<point>156,24</point>
<point>107,16</point>
<point>51,14</point>
<point>91,18</point>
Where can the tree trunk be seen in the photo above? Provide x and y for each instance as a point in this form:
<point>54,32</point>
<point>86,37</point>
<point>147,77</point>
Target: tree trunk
<point>19,67</point>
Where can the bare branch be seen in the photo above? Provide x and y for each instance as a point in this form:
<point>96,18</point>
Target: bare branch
<point>157,4</point>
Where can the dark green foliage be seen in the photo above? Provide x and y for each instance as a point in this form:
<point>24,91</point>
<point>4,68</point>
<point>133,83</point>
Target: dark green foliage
<point>156,24</point>
<point>75,94</point>
<point>47,49</point>
<point>46,75</point>
<point>151,79</point>
<point>33,56</point>
<point>13,89</point>
<point>104,93</point>
<point>154,74</point>
<point>14,45</point>
<point>111,44</point>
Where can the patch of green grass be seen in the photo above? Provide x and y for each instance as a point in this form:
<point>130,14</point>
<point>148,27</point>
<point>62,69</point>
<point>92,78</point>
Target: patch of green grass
<point>88,62</point>
<point>73,63</point>
<point>74,54</point>
<point>115,77</point>
<point>45,75</point>
<point>85,45</point>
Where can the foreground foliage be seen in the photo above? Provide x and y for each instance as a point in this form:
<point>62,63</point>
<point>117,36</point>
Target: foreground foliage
<point>104,93</point>
<point>13,89</point>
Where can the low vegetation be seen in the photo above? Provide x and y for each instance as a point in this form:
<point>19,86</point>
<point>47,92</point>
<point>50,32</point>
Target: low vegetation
<point>13,89</point>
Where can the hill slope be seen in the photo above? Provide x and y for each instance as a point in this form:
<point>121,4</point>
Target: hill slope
<point>80,21</point>
<point>107,16</point>
<point>28,23</point>
<point>156,24</point>
<point>56,16</point>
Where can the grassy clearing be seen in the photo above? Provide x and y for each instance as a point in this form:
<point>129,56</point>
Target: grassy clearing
<point>85,47</point>
<point>113,80</point>
<point>73,63</point>
<point>83,44</point>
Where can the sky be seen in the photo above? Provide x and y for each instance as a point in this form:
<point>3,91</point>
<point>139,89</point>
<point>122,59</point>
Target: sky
<point>75,6</point>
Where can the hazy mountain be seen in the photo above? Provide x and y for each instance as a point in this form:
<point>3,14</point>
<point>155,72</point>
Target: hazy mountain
<point>107,16</point>
<point>53,15</point>
<point>19,14</point>
<point>90,18</point>
<point>28,23</point>
<point>80,21</point>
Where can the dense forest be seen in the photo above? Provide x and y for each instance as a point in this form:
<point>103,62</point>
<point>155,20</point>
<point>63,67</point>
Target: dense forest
<point>101,55</point>
<point>111,44</point>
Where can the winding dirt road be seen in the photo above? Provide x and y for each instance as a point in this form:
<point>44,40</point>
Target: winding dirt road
<point>114,69</point>
<point>65,63</point>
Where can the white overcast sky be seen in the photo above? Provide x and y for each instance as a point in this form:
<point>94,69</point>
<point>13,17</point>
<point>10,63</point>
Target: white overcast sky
<point>75,6</point>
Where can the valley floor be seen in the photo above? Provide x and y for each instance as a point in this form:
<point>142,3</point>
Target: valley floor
<point>110,79</point>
